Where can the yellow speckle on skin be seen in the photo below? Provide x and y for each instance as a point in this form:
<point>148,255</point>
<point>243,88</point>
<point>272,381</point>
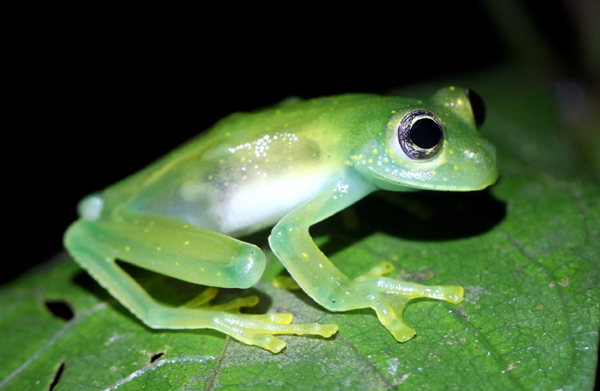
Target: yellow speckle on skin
<point>186,242</point>
<point>210,177</point>
<point>459,101</point>
<point>540,307</point>
<point>291,229</point>
<point>320,265</point>
<point>176,263</point>
<point>243,159</point>
<point>218,274</point>
<point>456,167</point>
<point>201,269</point>
<point>452,88</point>
<point>305,255</point>
<point>146,230</point>
<point>158,249</point>
<point>244,177</point>
<point>227,134</point>
<point>221,161</point>
<point>374,152</point>
<point>370,160</point>
<point>393,111</point>
<point>451,152</point>
<point>185,226</point>
<point>127,248</point>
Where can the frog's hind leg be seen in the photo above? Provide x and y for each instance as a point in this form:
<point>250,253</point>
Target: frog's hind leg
<point>97,244</point>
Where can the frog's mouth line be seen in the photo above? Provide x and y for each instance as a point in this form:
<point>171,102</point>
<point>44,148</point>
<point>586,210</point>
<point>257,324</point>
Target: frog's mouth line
<point>425,180</point>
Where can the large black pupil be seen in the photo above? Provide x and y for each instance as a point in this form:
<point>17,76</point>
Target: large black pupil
<point>425,133</point>
<point>477,106</point>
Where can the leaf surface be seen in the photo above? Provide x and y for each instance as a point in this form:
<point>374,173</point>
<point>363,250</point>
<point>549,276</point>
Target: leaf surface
<point>526,251</point>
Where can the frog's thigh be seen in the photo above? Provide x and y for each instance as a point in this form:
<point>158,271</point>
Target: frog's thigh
<point>85,241</point>
<point>174,248</point>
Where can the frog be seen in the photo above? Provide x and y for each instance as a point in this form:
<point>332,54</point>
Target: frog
<point>288,166</point>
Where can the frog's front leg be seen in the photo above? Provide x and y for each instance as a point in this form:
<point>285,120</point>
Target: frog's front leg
<point>325,283</point>
<point>171,247</point>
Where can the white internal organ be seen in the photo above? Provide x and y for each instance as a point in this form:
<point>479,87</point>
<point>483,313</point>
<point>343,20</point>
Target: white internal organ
<point>260,204</point>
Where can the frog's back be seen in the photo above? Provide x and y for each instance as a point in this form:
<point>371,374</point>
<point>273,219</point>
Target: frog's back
<point>249,170</point>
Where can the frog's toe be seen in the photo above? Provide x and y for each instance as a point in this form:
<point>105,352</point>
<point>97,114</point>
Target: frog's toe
<point>285,282</point>
<point>266,341</point>
<point>379,270</point>
<point>275,318</point>
<point>323,330</point>
<point>400,330</point>
<point>236,304</point>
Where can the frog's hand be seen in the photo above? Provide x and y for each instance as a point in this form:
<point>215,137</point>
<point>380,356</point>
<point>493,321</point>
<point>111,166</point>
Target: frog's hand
<point>326,284</point>
<point>160,246</point>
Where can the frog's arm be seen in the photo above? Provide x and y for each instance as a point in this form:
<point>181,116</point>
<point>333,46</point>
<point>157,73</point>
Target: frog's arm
<point>325,283</point>
<point>170,246</point>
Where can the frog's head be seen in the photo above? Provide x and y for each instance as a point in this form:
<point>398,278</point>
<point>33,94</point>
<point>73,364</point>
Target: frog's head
<point>432,144</point>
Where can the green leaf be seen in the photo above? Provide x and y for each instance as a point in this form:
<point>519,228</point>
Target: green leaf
<point>526,251</point>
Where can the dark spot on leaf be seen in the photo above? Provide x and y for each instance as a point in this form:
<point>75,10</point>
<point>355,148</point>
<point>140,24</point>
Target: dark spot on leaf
<point>57,376</point>
<point>60,308</point>
<point>156,356</point>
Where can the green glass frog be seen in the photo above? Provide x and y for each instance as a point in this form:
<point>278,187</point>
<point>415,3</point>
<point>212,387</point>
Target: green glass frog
<point>291,166</point>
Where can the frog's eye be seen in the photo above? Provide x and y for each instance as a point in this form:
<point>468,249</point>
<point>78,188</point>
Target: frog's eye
<point>477,107</point>
<point>420,134</point>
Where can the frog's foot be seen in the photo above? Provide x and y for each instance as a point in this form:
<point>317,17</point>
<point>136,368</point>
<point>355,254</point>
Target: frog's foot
<point>260,330</point>
<point>253,329</point>
<point>393,295</point>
